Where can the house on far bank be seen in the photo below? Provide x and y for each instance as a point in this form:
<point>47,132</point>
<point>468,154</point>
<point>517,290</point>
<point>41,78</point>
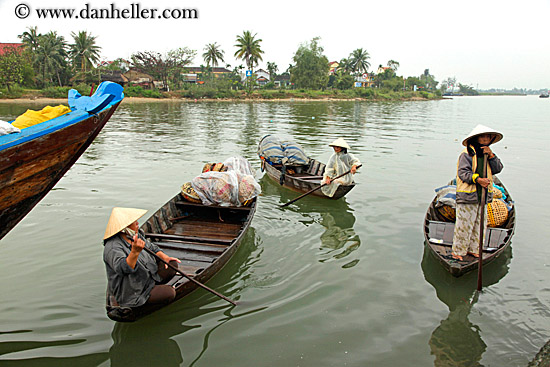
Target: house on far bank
<point>115,76</point>
<point>366,80</point>
<point>382,69</point>
<point>333,66</point>
<point>140,79</point>
<point>282,80</point>
<point>5,47</point>
<point>193,73</point>
<point>262,77</point>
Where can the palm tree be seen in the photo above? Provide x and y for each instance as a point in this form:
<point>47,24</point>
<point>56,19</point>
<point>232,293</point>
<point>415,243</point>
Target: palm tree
<point>345,66</point>
<point>84,51</point>
<point>51,55</point>
<point>272,70</point>
<point>359,60</point>
<point>30,38</point>
<point>212,55</point>
<point>248,49</point>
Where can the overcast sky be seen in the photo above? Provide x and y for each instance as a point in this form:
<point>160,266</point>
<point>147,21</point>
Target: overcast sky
<point>483,43</point>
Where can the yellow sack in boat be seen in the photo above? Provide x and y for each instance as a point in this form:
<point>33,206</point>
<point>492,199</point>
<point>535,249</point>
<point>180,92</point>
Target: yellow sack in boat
<point>32,117</point>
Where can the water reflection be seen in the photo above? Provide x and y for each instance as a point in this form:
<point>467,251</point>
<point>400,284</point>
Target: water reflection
<point>339,238</point>
<point>457,341</point>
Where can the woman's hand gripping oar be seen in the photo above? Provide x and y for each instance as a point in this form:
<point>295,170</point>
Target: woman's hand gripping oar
<point>317,188</point>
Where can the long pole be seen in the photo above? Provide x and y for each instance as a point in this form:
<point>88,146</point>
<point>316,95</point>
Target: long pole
<point>191,279</point>
<point>317,188</point>
<point>482,226</point>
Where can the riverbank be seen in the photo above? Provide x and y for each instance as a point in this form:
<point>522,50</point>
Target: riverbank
<point>43,100</point>
<point>137,95</point>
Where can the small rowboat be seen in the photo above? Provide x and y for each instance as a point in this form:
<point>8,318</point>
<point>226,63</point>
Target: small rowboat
<point>203,237</point>
<point>439,233</point>
<point>33,161</point>
<point>302,178</point>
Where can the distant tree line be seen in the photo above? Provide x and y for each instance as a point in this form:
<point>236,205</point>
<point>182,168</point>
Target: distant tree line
<point>48,60</point>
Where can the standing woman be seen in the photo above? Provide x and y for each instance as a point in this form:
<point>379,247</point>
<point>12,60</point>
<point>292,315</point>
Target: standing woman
<point>469,183</point>
<point>134,276</point>
<point>339,163</point>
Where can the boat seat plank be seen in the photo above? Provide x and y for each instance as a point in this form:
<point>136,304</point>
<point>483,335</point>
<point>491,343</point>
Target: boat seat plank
<point>191,256</point>
<point>190,246</point>
<point>187,238</point>
<point>189,204</point>
<point>445,231</point>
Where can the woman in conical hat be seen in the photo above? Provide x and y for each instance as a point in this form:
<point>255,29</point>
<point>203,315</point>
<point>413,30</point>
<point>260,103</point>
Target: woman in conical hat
<point>339,163</point>
<point>134,276</point>
<point>469,182</point>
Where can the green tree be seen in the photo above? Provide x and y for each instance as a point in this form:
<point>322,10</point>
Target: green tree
<point>272,70</point>
<point>428,80</point>
<point>249,50</point>
<point>164,68</point>
<point>311,66</point>
<point>212,55</point>
<point>11,67</point>
<point>84,51</point>
<point>30,38</point>
<point>345,66</point>
<point>359,61</point>
<point>51,55</point>
<point>393,64</point>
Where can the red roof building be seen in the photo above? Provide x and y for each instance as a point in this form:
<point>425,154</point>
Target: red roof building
<point>7,46</point>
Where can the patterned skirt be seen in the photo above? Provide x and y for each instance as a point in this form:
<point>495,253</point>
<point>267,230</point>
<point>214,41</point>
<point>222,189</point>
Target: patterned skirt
<point>466,235</point>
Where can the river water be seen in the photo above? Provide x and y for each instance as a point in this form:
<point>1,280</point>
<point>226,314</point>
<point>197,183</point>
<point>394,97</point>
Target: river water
<point>320,283</point>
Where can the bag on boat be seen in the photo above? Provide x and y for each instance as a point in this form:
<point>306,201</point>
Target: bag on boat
<point>32,117</point>
<point>7,128</point>
<point>240,165</point>
<point>271,149</point>
<point>294,153</point>
<point>446,195</point>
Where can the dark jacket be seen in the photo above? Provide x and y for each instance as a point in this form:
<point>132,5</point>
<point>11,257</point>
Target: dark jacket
<point>130,287</point>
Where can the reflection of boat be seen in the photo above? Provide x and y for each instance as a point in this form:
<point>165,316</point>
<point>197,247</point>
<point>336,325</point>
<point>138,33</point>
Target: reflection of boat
<point>438,233</point>
<point>456,341</point>
<point>33,161</point>
<point>303,178</point>
<point>203,237</point>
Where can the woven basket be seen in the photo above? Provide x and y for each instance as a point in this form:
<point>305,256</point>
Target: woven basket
<point>189,193</point>
<point>497,213</point>
<point>448,212</point>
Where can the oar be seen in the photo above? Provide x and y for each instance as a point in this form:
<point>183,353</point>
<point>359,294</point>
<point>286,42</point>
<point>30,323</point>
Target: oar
<point>481,226</point>
<point>191,279</point>
<point>317,188</point>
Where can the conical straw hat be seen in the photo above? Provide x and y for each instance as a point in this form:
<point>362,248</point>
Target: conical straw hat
<point>122,218</point>
<point>339,143</point>
<point>480,130</point>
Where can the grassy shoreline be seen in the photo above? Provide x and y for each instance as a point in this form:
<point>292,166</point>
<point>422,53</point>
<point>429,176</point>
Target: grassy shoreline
<point>256,96</point>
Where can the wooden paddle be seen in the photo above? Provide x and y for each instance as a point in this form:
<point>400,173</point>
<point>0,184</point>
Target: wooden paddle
<point>317,188</point>
<point>481,226</point>
<point>191,279</point>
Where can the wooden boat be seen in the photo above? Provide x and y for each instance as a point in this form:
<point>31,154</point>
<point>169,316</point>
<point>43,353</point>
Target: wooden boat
<point>303,178</point>
<point>203,237</point>
<point>33,161</point>
<point>544,95</point>
<point>439,233</point>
